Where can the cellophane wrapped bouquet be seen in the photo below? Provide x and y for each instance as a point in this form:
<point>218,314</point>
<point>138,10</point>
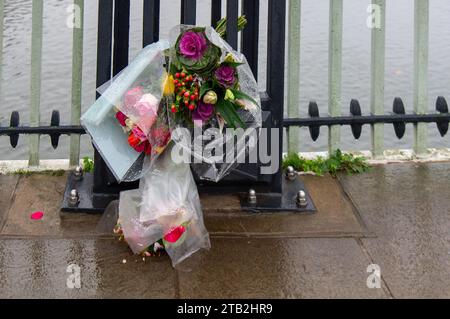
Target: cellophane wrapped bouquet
<point>184,96</point>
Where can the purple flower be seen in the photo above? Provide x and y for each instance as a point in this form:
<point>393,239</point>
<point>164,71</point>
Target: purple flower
<point>203,112</point>
<point>225,75</point>
<point>193,45</point>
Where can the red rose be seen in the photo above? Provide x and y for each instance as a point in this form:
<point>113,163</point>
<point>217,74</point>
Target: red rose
<point>121,118</point>
<point>133,140</point>
<point>148,148</point>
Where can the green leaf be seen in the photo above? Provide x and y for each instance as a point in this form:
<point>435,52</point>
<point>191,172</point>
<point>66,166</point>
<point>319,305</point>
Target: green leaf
<point>241,95</point>
<point>229,114</point>
<point>204,88</point>
<point>232,64</point>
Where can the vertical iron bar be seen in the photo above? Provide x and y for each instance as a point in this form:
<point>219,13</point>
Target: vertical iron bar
<point>36,67</point>
<point>216,12</point>
<point>121,34</point>
<point>250,34</point>
<point>2,23</point>
<point>151,22</point>
<point>421,21</point>
<point>275,76</point>
<point>232,19</point>
<point>104,63</point>
<point>294,72</point>
<point>77,72</point>
<point>188,11</point>
<point>104,42</point>
<point>377,73</point>
<point>335,70</point>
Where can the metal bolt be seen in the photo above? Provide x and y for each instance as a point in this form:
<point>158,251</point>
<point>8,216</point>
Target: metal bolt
<point>251,196</point>
<point>74,198</point>
<point>301,199</point>
<point>291,174</point>
<point>78,173</point>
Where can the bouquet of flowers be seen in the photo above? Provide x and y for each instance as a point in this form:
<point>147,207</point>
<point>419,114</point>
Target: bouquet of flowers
<point>152,110</point>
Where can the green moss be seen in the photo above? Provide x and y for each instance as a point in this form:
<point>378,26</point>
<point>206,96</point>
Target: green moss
<point>24,172</point>
<point>336,162</point>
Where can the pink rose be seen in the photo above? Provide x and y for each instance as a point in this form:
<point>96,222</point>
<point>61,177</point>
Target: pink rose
<point>147,104</point>
<point>133,96</point>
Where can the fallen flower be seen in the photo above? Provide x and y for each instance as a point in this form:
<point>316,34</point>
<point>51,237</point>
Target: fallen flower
<point>37,215</point>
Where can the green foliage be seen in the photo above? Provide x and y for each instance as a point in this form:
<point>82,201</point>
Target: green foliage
<point>88,164</point>
<point>221,27</point>
<point>228,112</point>
<point>336,162</point>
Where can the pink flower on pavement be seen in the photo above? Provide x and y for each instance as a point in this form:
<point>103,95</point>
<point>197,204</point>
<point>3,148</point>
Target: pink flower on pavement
<point>37,215</point>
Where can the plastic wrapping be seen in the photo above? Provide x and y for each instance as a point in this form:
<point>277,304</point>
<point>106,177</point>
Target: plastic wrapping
<point>136,92</point>
<point>167,206</point>
<point>141,111</point>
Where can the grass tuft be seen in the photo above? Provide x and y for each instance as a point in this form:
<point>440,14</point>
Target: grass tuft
<point>336,162</point>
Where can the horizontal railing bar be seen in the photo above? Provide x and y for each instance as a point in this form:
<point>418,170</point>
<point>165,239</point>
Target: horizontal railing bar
<point>367,119</point>
<point>43,130</point>
<point>312,121</point>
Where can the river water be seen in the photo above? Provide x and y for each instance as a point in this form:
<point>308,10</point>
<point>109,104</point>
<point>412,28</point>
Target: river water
<point>57,50</point>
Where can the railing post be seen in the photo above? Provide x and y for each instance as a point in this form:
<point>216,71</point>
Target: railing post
<point>377,74</point>
<point>2,18</point>
<point>151,21</point>
<point>77,73</point>
<point>36,64</point>
<point>250,34</point>
<point>335,71</point>
<point>216,12</point>
<point>421,17</point>
<point>294,72</point>
<point>188,11</point>
<point>275,75</point>
<point>232,19</point>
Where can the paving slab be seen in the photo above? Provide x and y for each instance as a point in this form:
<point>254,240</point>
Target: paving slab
<point>7,186</point>
<point>278,268</point>
<point>335,217</point>
<point>407,206</point>
<point>39,269</point>
<point>37,192</point>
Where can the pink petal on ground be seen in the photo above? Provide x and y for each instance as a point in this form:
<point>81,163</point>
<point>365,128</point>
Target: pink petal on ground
<point>37,215</point>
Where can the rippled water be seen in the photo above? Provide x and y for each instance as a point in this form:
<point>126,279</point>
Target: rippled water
<point>56,68</point>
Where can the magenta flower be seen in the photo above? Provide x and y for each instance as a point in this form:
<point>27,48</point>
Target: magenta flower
<point>226,76</point>
<point>203,112</point>
<point>193,45</point>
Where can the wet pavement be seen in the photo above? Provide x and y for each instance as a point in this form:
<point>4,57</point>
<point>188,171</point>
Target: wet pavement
<point>397,216</point>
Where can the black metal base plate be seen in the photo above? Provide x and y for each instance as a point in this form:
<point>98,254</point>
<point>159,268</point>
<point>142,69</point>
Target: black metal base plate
<point>285,202</point>
<point>266,202</point>
<point>84,188</point>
